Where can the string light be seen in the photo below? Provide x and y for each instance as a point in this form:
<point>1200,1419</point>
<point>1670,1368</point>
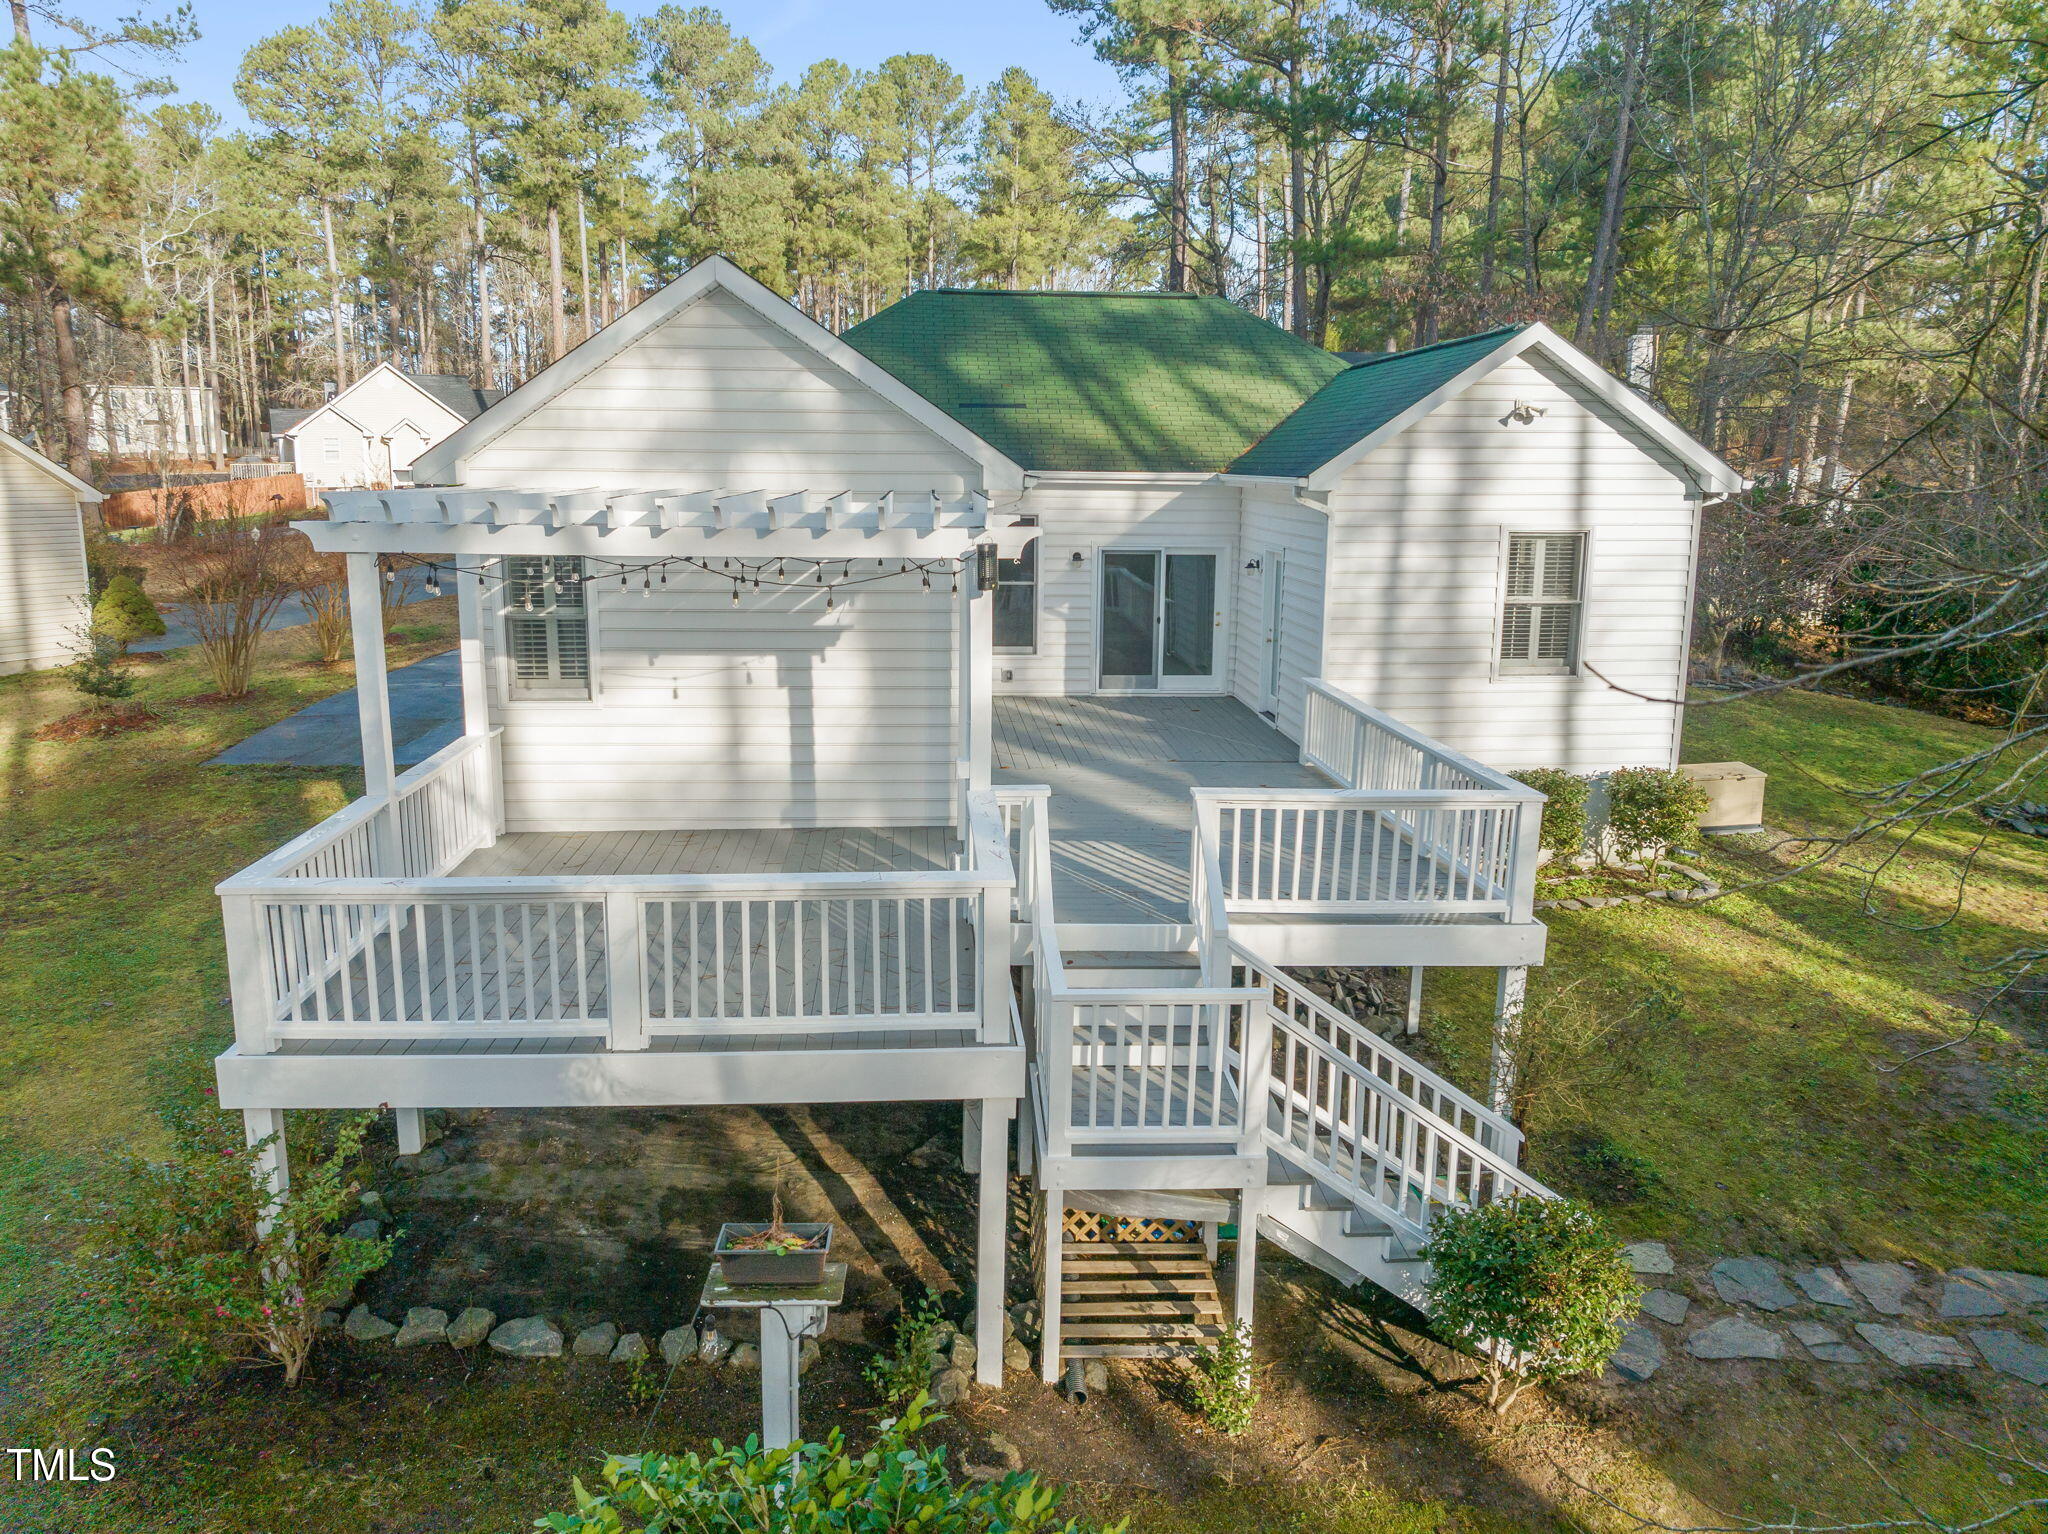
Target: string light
<point>828,574</point>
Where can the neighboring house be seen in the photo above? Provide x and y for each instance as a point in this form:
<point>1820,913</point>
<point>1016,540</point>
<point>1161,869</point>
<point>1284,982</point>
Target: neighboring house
<point>42,549</point>
<point>993,704</point>
<point>144,421</point>
<point>368,435</point>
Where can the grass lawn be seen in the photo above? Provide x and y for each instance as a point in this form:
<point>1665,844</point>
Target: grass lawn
<point>1713,1076</point>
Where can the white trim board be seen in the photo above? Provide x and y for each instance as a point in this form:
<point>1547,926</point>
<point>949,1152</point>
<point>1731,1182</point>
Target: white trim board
<point>443,462</point>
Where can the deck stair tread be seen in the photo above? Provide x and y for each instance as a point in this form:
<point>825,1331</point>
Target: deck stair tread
<point>1137,1299</point>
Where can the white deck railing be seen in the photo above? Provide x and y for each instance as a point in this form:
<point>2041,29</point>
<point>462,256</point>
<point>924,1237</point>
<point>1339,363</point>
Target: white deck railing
<point>1413,828</point>
<point>358,929</point>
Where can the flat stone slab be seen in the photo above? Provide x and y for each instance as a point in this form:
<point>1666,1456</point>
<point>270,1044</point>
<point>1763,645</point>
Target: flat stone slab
<point>630,1349</point>
<point>1824,1286</point>
<point>471,1327</point>
<point>1751,1281</point>
<point>678,1345</point>
<point>2016,1289</point>
<point>1733,1337</point>
<point>1966,1302</point>
<point>596,1341</point>
<point>1916,1350</point>
<point>1666,1305</point>
<point>527,1337</point>
<point>1886,1285</point>
<point>423,1323</point>
<point>2010,1353</point>
<point>1640,1354</point>
<point>1825,1343</point>
<point>365,1325</point>
<point>1652,1258</point>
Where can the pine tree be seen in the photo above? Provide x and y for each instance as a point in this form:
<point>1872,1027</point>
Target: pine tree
<point>1031,194</point>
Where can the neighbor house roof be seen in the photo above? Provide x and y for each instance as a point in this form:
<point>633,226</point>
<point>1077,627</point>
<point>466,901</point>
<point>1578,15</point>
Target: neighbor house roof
<point>456,392</point>
<point>1157,382</point>
<point>284,418</point>
<point>1360,399</point>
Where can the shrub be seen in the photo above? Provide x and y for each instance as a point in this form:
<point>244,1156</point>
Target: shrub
<point>198,1250</point>
<point>1564,817</point>
<point>93,669</point>
<point>1652,808</point>
<point>906,1368</point>
<point>1537,1287</point>
<point>234,576</point>
<point>125,613</point>
<point>810,1488</point>
<point>1225,1393</point>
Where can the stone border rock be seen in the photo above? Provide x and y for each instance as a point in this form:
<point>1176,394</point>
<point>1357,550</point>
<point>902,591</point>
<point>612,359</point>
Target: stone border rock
<point>1703,887</point>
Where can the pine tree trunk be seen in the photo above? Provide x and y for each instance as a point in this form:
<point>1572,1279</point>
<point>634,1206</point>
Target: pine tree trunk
<point>1177,174</point>
<point>334,297</point>
<point>70,386</point>
<point>583,260</point>
<point>486,347</point>
<point>1593,307</point>
<point>1495,157</point>
<point>1297,219</point>
<point>558,319</point>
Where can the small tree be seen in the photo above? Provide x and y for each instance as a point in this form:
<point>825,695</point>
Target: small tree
<point>811,1488</point>
<point>1651,809</point>
<point>234,576</point>
<point>1537,1287</point>
<point>1564,815</point>
<point>125,613</point>
<point>94,670</point>
<point>198,1248</point>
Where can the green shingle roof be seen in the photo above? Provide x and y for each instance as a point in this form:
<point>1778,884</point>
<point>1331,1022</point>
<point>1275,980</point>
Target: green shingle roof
<point>1360,400</point>
<point>1159,382</point>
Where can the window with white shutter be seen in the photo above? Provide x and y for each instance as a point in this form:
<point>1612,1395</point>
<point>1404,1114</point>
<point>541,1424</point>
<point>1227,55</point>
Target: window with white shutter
<point>547,628</point>
<point>1544,607</point>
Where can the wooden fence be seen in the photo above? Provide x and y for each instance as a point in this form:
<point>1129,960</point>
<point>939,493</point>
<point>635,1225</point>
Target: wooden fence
<point>224,498</point>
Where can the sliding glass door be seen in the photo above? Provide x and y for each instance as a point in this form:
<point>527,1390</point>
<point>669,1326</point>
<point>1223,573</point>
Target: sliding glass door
<point>1159,621</point>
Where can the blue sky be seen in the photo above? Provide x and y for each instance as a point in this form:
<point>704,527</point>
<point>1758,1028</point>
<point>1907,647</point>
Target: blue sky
<point>980,38</point>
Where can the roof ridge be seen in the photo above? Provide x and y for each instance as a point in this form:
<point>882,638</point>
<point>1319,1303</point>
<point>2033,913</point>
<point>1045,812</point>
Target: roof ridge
<point>1059,293</point>
<point>1417,351</point>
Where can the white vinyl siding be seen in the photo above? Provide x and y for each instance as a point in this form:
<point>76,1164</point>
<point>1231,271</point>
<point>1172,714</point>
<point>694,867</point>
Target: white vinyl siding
<point>1541,609</point>
<point>1419,537</point>
<point>547,629</point>
<point>775,712</point>
<point>42,552</point>
<point>1085,517</point>
<point>717,397</point>
<point>1276,523</point>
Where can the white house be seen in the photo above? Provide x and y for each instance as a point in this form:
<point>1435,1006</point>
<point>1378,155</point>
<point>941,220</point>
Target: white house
<point>42,549</point>
<point>368,434</point>
<point>993,704</point>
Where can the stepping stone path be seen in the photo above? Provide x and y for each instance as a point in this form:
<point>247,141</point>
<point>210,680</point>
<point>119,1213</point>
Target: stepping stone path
<point>1733,1337</point>
<point>1825,1343</point>
<point>2019,1290</point>
<point>422,1324</point>
<point>2010,1353</point>
<point>1964,1302</point>
<point>1751,1281</point>
<point>1914,1349</point>
<point>1886,1285</point>
<point>527,1337</point>
<point>1666,1305</point>
<point>1640,1354</point>
<point>471,1327</point>
<point>1824,1286</point>
<point>1651,1258</point>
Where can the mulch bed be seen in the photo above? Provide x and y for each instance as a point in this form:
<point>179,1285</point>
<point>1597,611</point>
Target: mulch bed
<point>90,723</point>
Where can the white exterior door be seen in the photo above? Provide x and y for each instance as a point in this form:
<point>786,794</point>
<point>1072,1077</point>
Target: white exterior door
<point>1162,622</point>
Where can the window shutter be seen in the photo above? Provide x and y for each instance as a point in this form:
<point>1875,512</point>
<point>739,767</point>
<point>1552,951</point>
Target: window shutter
<point>1540,616</point>
<point>547,631</point>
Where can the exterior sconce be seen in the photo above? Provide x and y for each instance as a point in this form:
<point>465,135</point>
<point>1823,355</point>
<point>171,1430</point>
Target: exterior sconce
<point>1251,564</point>
<point>985,566</point>
<point>1078,558</point>
<point>1524,412</point>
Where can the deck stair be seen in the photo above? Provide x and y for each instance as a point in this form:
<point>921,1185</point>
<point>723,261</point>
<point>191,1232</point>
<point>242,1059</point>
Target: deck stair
<point>1137,1299</point>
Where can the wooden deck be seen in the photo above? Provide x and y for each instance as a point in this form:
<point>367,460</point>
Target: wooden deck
<point>838,849</point>
<point>1120,770</point>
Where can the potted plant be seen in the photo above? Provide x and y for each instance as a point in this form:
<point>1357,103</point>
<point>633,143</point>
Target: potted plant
<point>785,1256</point>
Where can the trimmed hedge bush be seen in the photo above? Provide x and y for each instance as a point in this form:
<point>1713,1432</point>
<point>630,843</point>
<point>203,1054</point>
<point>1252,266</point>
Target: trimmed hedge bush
<point>1652,808</point>
<point>124,613</point>
<point>1537,1287</point>
<point>1564,817</point>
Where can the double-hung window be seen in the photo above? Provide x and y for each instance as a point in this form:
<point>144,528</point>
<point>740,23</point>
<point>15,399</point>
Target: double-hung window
<point>1016,597</point>
<point>1544,610</point>
<point>547,628</point>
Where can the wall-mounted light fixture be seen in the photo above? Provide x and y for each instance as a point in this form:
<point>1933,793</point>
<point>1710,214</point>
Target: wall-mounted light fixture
<point>1078,558</point>
<point>1251,564</point>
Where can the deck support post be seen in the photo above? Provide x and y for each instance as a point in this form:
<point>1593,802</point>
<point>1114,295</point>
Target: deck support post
<point>273,1169</point>
<point>1510,996</point>
<point>1053,1226</point>
<point>373,700</point>
<point>977,661</point>
<point>476,704</point>
<point>411,1124</point>
<point>1413,1024</point>
<point>1209,1241</point>
<point>992,1220</point>
<point>1244,1285</point>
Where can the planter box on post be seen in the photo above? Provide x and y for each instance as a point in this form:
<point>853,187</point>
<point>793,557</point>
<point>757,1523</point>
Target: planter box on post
<point>783,1270</point>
